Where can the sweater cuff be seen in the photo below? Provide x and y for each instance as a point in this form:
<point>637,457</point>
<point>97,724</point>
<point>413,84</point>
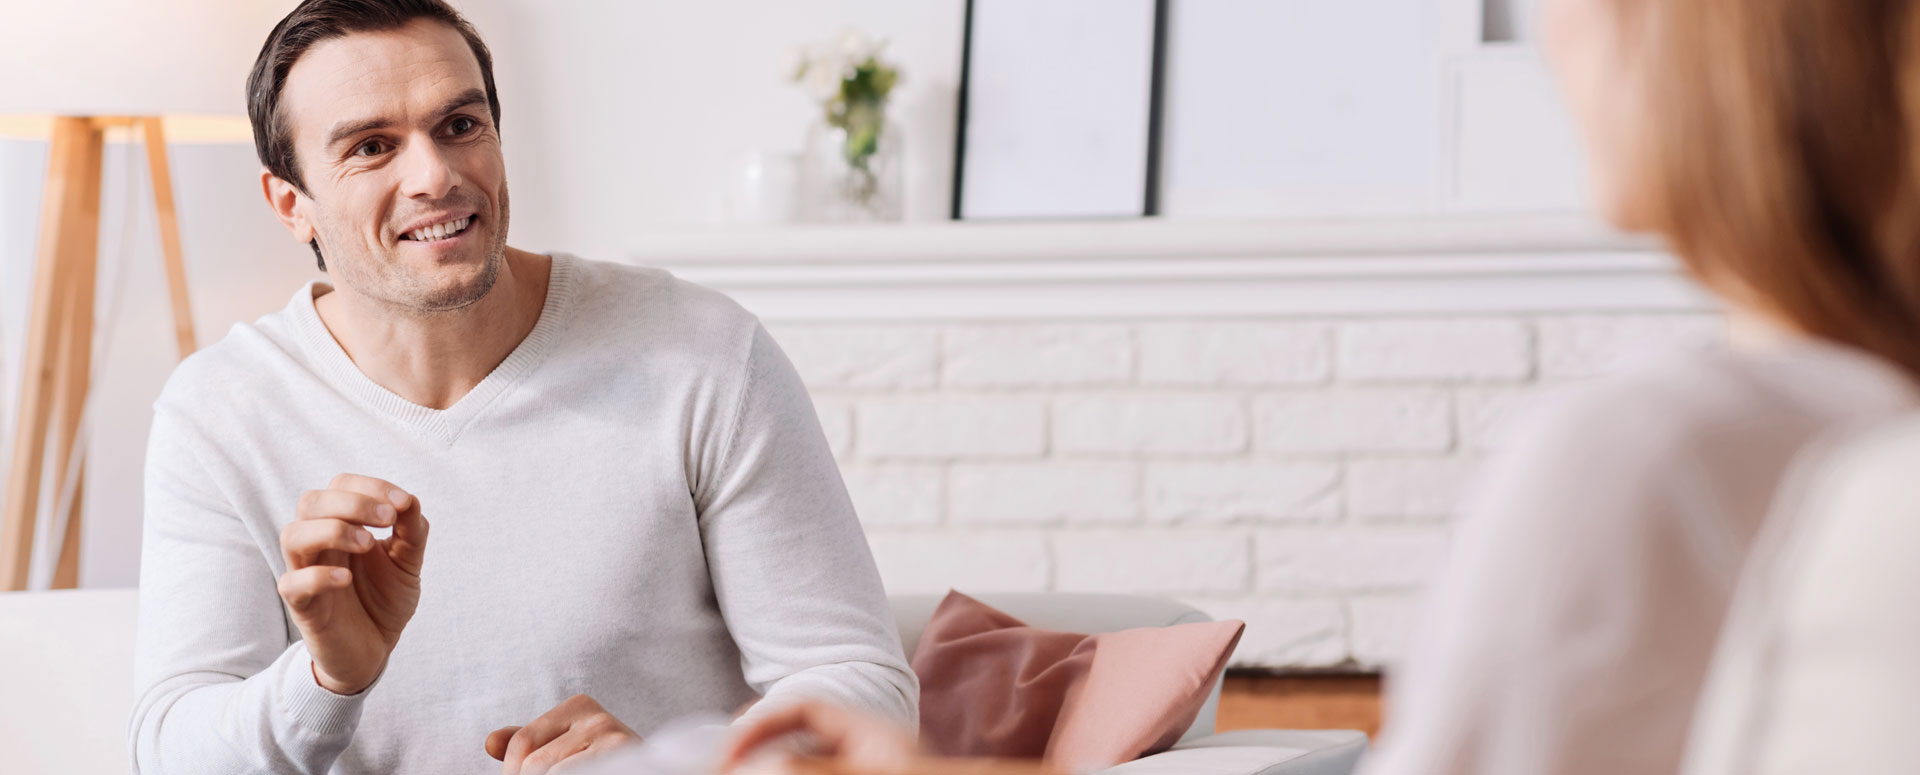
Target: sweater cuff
<point>310,706</point>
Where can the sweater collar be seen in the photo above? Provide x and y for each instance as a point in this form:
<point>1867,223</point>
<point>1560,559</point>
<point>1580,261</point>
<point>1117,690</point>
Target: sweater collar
<point>443,425</point>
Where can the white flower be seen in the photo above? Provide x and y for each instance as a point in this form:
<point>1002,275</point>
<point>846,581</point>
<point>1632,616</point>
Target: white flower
<point>824,75</point>
<point>854,45</point>
<point>793,64</point>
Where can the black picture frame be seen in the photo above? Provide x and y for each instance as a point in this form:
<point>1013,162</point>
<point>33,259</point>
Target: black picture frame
<point>1150,198</point>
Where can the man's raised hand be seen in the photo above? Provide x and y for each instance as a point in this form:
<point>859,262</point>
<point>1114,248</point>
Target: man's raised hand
<point>350,593</point>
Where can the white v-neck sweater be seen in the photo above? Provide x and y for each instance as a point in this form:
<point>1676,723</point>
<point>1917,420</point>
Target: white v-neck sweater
<point>638,504</point>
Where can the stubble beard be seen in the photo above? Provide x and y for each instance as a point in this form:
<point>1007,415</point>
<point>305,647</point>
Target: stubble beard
<point>386,279</point>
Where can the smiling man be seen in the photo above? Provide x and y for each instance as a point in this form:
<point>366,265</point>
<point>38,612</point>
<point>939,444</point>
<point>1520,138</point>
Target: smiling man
<point>635,515</point>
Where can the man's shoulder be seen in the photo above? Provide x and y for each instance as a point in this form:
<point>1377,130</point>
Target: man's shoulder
<point>235,366</point>
<point>654,307</point>
<point>624,283</point>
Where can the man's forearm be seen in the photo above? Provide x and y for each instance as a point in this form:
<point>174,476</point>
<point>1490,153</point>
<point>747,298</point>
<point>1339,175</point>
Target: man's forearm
<point>276,722</point>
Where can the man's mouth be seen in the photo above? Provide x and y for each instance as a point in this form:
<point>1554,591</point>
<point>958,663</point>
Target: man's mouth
<point>439,231</point>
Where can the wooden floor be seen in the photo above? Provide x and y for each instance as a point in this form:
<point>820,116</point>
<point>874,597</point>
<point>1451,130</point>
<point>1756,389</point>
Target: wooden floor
<point>1300,702</point>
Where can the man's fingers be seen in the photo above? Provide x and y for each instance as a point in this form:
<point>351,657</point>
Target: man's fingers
<point>348,506</point>
<point>532,737</point>
<point>497,742</point>
<point>301,586</point>
<point>303,541</point>
<point>378,489</point>
<point>543,759</point>
<point>571,727</point>
<point>408,546</point>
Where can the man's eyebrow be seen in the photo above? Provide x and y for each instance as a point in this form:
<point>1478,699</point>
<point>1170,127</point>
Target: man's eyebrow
<point>346,129</point>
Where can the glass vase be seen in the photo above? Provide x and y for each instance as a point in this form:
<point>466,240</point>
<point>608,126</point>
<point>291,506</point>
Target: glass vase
<point>852,173</point>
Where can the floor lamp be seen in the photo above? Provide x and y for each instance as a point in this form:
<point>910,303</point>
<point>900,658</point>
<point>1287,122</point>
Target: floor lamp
<point>97,70</point>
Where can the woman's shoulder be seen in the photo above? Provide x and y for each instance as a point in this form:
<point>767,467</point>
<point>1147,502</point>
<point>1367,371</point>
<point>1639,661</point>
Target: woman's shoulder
<point>1626,460</point>
<point>1699,402</point>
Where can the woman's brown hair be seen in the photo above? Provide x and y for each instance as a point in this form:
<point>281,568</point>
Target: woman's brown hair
<point>1784,168</point>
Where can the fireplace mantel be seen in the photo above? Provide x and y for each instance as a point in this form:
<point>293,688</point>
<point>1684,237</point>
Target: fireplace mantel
<point>1152,269</point>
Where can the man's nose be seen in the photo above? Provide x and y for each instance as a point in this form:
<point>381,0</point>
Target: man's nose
<point>427,172</point>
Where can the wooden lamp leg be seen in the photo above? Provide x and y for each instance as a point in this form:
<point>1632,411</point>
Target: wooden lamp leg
<point>169,233</point>
<point>70,399</point>
<point>63,273</point>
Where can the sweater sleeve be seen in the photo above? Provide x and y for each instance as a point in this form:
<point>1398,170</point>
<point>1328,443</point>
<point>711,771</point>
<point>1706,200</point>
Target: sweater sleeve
<point>795,580</point>
<point>220,685</point>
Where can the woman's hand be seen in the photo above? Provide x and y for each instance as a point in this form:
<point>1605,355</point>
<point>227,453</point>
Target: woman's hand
<point>844,742</point>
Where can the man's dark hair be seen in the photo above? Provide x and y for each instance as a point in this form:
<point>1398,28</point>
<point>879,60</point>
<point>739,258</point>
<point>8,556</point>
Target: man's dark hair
<point>314,21</point>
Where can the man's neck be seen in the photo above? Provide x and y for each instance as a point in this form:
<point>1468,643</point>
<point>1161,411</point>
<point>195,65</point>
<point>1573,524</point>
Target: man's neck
<point>433,360</point>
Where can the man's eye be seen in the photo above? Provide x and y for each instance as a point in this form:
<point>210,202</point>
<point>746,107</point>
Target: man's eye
<point>463,125</point>
<point>368,148</point>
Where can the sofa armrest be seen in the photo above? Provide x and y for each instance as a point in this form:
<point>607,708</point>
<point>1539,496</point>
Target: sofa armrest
<point>1256,752</point>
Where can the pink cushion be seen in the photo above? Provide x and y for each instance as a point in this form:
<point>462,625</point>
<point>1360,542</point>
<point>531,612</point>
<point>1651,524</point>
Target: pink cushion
<point>992,686</point>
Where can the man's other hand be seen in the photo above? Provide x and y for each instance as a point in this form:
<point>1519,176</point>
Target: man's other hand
<point>575,730</point>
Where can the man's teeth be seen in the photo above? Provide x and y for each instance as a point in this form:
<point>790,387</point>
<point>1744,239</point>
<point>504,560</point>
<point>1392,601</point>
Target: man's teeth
<point>439,230</point>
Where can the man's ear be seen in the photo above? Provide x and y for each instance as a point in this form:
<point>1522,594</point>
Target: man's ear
<point>289,205</point>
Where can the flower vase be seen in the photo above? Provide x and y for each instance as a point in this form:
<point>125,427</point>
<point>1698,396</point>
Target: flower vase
<point>850,170</point>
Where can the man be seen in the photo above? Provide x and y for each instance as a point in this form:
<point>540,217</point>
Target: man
<point>632,503</point>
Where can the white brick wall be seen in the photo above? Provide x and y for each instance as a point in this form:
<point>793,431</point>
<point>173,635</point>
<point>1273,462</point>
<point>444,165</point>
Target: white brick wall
<point>1435,350</point>
<point>1308,560</point>
<point>1235,353</point>
<point>1250,491</point>
<point>1368,419</point>
<point>1168,424</point>
<point>951,427</point>
<point>1037,355</point>
<point>1408,488</point>
<point>1045,493</point>
<point>933,562</point>
<point>896,494</point>
<point>1298,474</point>
<point>861,356</point>
<point>1151,561</point>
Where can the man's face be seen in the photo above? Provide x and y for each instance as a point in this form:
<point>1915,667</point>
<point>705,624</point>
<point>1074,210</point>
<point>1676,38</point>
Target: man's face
<point>391,133</point>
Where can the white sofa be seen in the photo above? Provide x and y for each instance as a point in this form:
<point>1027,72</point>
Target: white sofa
<point>66,684</point>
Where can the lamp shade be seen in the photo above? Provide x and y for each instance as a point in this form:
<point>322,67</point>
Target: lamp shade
<point>131,57</point>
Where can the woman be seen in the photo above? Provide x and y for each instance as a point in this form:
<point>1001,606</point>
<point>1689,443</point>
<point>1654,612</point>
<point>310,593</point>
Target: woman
<point>1773,144</point>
